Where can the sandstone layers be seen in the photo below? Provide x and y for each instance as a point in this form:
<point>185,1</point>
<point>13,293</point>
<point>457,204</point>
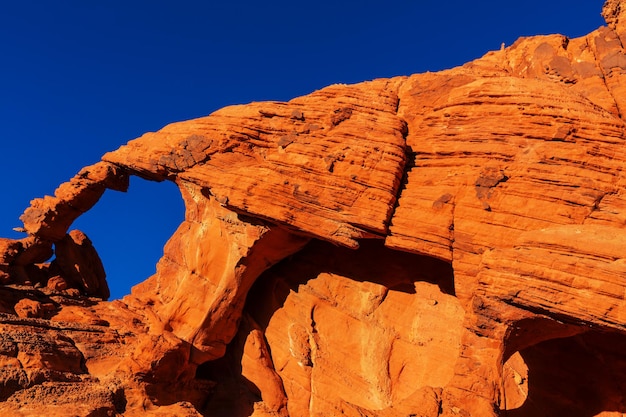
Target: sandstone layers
<point>443,244</point>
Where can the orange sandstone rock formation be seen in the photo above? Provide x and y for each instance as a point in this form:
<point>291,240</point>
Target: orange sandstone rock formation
<point>442,244</point>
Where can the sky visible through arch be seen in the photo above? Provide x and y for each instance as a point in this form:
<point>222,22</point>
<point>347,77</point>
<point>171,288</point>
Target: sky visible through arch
<point>80,78</point>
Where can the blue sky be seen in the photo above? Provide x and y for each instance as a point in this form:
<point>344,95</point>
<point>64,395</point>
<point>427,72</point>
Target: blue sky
<point>80,78</point>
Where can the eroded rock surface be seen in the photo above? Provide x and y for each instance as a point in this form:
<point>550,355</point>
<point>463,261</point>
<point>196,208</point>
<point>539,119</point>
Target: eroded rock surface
<point>441,244</point>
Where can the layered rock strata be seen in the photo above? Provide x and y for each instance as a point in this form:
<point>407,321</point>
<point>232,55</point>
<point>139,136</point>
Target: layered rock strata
<point>442,244</point>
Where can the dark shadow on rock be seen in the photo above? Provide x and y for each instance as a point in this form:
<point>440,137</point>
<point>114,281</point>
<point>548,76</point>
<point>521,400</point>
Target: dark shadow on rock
<point>232,395</point>
<point>577,376</point>
<point>372,262</point>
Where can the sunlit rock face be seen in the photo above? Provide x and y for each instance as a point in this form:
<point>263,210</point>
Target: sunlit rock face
<point>445,244</point>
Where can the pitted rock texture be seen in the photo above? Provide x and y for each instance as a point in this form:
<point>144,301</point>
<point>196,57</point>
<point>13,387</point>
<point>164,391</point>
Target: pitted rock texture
<point>440,244</point>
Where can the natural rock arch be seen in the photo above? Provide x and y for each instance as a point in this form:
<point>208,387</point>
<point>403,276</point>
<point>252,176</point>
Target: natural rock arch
<point>509,169</point>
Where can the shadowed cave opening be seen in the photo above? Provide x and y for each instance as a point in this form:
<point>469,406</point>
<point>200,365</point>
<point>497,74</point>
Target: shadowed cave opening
<point>372,266</point>
<point>372,262</point>
<point>129,230</point>
<point>582,375</point>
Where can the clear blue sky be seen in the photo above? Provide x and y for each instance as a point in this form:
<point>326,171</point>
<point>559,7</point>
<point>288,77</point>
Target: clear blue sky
<point>80,78</point>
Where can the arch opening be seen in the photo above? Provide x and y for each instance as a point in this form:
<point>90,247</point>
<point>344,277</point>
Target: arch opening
<point>129,230</point>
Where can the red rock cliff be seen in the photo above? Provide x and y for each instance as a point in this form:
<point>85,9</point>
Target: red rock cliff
<point>442,244</point>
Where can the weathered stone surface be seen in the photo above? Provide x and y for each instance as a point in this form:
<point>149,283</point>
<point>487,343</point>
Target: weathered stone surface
<point>34,250</point>
<point>49,218</point>
<point>203,305</point>
<point>327,306</point>
<point>442,244</point>
<point>28,308</point>
<point>80,265</point>
<point>320,172</point>
<point>9,250</point>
